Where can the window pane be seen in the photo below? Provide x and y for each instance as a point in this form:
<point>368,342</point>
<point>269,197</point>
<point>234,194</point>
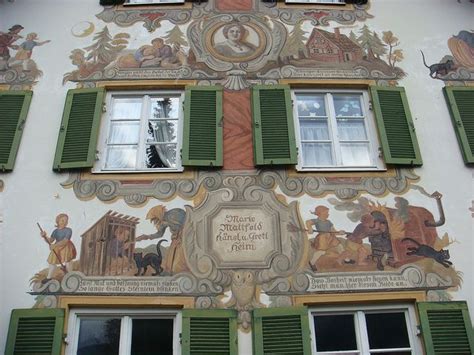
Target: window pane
<point>335,332</point>
<point>119,157</point>
<point>347,105</point>
<point>99,336</point>
<point>161,156</point>
<point>314,130</point>
<point>152,336</point>
<point>317,154</point>
<point>127,108</point>
<point>311,105</point>
<point>165,107</point>
<point>165,131</point>
<point>351,129</point>
<point>392,353</point>
<point>387,330</point>
<point>355,154</point>
<point>124,132</point>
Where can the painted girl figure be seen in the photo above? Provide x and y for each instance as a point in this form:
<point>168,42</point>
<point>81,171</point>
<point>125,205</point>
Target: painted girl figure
<point>23,56</point>
<point>235,44</point>
<point>62,249</point>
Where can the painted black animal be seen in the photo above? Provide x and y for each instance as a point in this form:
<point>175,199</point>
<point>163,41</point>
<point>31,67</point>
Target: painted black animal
<point>439,69</point>
<point>441,256</point>
<point>153,260</point>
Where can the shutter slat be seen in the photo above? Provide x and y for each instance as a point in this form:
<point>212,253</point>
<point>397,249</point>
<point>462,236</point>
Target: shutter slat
<point>202,136</point>
<point>461,107</point>
<point>273,126</point>
<point>14,107</point>
<point>446,327</point>
<point>77,141</point>
<point>35,331</point>
<point>395,126</point>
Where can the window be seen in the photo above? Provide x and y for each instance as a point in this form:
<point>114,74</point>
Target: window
<point>389,329</point>
<point>108,331</point>
<point>335,130</point>
<point>141,132</point>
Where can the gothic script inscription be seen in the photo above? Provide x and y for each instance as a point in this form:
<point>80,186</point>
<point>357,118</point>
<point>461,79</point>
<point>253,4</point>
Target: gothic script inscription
<point>242,235</point>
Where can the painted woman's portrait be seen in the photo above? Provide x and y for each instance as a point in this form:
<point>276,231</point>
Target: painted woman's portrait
<point>236,41</point>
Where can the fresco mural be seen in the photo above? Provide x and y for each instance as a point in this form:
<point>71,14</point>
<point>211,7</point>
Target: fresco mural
<point>236,49</point>
<point>243,240</point>
<point>460,64</point>
<point>16,65</point>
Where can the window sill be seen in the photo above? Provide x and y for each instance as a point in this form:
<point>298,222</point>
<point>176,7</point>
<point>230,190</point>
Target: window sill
<point>340,169</point>
<point>147,171</point>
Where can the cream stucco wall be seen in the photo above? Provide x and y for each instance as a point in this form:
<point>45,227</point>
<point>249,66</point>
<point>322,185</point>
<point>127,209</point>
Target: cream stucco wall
<point>33,192</point>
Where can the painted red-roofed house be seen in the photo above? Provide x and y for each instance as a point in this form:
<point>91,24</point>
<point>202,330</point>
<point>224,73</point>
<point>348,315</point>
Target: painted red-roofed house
<point>332,47</point>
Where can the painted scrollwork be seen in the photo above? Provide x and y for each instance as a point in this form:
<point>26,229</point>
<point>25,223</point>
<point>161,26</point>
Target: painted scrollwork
<point>188,187</point>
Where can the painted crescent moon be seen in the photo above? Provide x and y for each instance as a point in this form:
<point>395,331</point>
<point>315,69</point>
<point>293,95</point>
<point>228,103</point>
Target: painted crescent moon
<point>83,29</point>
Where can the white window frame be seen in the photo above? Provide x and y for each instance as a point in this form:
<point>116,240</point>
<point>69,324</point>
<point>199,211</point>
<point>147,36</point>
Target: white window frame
<point>361,329</point>
<point>126,315</point>
<point>99,166</point>
<point>375,148</point>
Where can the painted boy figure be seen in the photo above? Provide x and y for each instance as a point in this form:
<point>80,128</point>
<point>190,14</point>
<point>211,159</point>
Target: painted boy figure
<point>62,249</point>
<point>326,239</point>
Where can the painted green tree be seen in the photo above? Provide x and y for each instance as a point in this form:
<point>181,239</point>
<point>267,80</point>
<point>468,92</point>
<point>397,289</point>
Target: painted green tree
<point>366,41</point>
<point>175,36</point>
<point>353,37</point>
<point>295,45</point>
<point>378,47</point>
<point>106,48</point>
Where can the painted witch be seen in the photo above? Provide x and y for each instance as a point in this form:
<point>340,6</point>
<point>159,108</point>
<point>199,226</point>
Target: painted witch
<point>174,261</point>
<point>62,250</point>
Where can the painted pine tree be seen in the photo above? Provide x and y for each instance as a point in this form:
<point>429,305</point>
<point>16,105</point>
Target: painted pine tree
<point>106,48</point>
<point>176,36</point>
<point>366,41</point>
<point>295,44</point>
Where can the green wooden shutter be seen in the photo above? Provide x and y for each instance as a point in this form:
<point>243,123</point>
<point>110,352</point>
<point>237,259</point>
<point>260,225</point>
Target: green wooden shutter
<point>13,110</point>
<point>35,331</point>
<point>395,126</point>
<point>202,135</point>
<point>273,126</point>
<point>207,332</point>
<point>77,141</point>
<point>461,106</point>
<point>446,328</point>
<point>282,331</point>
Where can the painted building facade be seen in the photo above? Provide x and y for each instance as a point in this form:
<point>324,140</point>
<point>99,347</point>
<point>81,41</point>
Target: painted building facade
<point>213,169</point>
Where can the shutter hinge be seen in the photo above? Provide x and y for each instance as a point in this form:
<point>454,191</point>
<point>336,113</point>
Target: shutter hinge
<point>97,155</point>
<point>418,330</point>
<point>380,152</point>
<point>62,128</point>
<point>181,153</point>
<point>104,107</point>
<point>21,125</point>
<point>3,168</point>
<point>459,123</point>
<point>181,338</point>
<point>292,103</point>
<point>65,339</point>
<point>370,105</point>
